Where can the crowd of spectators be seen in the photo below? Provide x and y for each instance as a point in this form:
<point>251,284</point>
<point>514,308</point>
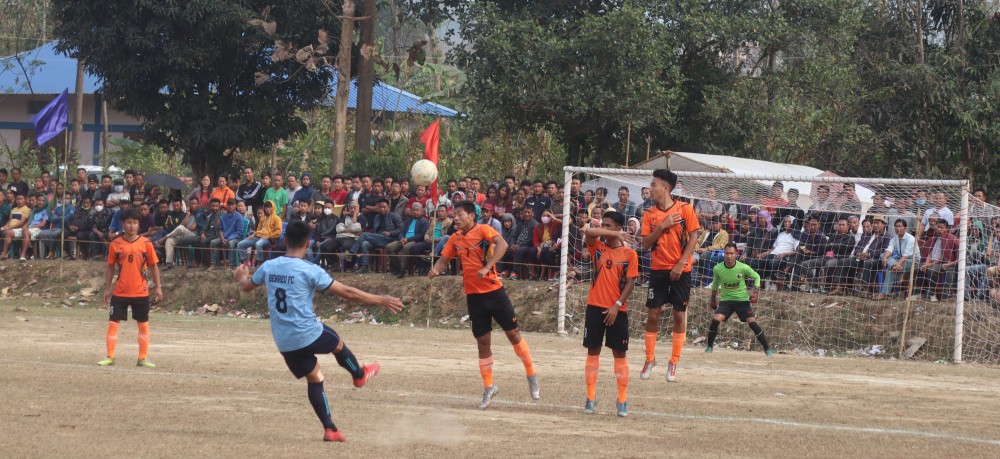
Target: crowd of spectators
<point>362,223</point>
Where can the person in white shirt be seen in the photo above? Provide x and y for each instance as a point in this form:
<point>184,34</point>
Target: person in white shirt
<point>778,259</point>
<point>940,207</point>
<point>291,187</point>
<point>898,258</point>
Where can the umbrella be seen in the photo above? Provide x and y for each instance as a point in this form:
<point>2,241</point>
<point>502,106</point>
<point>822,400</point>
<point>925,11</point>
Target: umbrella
<point>168,181</point>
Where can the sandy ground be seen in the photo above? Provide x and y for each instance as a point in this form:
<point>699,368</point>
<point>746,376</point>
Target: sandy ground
<point>222,390</point>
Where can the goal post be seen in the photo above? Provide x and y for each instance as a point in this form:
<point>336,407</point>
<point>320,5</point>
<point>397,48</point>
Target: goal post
<point>838,302</point>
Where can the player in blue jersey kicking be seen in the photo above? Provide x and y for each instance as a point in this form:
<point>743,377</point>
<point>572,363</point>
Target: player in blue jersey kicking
<point>299,335</point>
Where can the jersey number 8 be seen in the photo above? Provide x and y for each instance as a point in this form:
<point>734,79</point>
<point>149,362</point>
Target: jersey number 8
<point>280,300</point>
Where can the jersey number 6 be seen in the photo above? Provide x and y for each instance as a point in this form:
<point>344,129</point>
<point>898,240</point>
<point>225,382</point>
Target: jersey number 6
<point>280,300</point>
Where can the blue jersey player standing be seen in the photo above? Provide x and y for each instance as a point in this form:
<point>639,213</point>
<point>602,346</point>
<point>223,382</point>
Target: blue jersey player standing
<point>299,335</point>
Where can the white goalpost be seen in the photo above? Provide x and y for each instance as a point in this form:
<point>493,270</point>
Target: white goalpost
<point>821,298</point>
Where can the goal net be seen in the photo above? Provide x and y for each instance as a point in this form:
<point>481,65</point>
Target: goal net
<point>821,245</point>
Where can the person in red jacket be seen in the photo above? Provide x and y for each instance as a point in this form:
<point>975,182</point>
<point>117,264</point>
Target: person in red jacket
<point>939,256</point>
<point>546,242</point>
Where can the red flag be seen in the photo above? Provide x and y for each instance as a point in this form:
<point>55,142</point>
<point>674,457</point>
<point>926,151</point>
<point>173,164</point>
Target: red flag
<point>431,138</point>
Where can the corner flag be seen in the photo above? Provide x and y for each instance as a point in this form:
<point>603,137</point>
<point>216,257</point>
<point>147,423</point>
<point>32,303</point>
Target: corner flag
<point>431,137</point>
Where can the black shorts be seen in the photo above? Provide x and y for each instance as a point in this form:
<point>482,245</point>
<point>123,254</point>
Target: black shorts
<point>303,361</point>
<point>120,305</point>
<point>484,308</point>
<point>615,337</point>
<point>663,291</point>
<point>741,308</point>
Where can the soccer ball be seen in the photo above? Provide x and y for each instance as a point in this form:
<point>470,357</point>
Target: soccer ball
<point>424,172</point>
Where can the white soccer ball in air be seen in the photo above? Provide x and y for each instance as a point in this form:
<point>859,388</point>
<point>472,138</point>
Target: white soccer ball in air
<point>424,172</point>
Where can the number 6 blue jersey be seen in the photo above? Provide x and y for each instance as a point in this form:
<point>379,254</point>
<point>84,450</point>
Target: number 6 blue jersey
<point>290,284</point>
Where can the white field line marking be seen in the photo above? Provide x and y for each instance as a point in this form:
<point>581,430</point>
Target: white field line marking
<point>470,403</point>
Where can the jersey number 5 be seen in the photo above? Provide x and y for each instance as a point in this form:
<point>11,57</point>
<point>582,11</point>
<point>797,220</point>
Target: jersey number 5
<point>280,300</point>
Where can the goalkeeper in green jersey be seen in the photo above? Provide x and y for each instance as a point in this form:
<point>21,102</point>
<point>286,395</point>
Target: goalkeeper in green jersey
<point>731,276</point>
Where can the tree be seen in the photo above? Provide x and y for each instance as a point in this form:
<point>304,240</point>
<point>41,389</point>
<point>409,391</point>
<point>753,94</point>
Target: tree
<point>191,70</point>
<point>586,72</point>
<point>343,86</point>
<point>366,78</point>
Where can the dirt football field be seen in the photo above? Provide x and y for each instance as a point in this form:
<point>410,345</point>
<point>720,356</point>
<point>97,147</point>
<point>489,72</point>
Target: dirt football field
<point>222,390</point>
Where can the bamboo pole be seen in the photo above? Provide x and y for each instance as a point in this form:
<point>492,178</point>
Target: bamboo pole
<point>909,290</point>
<point>62,225</point>
<point>628,143</point>
<point>430,288</point>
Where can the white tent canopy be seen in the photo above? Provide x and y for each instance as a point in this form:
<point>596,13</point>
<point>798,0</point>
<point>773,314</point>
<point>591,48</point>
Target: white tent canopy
<point>700,162</point>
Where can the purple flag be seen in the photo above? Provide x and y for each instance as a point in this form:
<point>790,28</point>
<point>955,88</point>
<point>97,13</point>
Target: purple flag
<point>52,119</point>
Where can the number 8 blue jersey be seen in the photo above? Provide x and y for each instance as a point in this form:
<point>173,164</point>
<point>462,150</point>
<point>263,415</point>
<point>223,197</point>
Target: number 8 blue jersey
<point>290,284</point>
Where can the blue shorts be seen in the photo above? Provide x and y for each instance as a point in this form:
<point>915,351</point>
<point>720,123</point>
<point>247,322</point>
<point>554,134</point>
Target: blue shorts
<point>303,361</point>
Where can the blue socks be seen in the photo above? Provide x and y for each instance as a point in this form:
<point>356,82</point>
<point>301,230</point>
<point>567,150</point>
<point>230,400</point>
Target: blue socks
<point>317,398</point>
<point>350,363</point>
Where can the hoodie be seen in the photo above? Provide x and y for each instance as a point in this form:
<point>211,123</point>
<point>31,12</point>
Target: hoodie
<point>977,246</point>
<point>269,227</point>
<point>306,192</point>
<point>507,234</point>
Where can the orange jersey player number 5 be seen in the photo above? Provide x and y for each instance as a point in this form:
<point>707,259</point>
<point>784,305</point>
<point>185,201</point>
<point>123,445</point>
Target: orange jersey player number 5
<point>670,246</point>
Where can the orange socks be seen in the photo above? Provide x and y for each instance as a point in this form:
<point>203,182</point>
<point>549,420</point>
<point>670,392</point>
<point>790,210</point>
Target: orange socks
<point>112,338</point>
<point>521,349</point>
<point>143,339</point>
<point>650,346</point>
<point>621,375</point>
<point>591,369</point>
<point>676,347</point>
<point>486,370</point>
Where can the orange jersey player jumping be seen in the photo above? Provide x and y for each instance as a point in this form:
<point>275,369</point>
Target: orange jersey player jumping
<point>617,267</point>
<point>480,247</point>
<point>134,256</point>
<point>670,230</point>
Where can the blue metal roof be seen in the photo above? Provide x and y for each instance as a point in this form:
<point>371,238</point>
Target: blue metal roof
<point>389,98</point>
<point>50,73</point>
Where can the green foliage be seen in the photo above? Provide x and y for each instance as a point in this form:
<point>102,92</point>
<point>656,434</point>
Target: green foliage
<point>585,76</point>
<point>24,156</point>
<point>188,68</point>
<point>24,26</point>
<point>906,89</point>
<point>138,156</point>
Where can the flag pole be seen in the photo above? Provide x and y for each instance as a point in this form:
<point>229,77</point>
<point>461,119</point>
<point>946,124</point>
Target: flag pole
<point>62,221</point>
<point>431,139</point>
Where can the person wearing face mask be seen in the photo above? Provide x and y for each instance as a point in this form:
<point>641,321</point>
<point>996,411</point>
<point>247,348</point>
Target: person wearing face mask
<point>324,223</point>
<point>118,192</point>
<point>101,222</point>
